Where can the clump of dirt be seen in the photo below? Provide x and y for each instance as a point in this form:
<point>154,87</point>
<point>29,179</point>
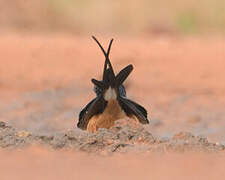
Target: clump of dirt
<point>121,138</point>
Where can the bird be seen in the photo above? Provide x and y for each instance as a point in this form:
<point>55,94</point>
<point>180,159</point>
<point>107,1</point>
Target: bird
<point>111,102</point>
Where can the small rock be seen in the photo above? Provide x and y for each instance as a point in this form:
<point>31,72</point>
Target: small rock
<point>218,144</point>
<point>23,134</point>
<point>183,136</point>
<point>2,124</point>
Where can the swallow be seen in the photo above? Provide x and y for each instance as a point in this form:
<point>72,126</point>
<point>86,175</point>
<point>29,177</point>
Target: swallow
<point>110,103</point>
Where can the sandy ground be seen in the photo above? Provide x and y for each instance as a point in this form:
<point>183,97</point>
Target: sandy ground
<point>35,163</point>
<point>45,81</point>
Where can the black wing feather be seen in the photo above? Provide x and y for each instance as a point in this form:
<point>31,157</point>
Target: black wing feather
<point>96,106</point>
<point>84,110</point>
<point>132,108</point>
<point>123,74</point>
<point>139,107</point>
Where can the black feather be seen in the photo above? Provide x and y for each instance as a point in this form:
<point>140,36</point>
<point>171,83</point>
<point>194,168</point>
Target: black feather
<point>139,107</point>
<point>131,108</point>
<point>82,114</point>
<point>95,107</point>
<point>123,74</point>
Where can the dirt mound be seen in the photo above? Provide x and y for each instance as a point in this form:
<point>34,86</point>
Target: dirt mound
<point>121,138</point>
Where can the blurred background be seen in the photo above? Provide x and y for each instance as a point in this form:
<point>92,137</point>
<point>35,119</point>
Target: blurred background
<point>177,48</point>
<point>85,16</point>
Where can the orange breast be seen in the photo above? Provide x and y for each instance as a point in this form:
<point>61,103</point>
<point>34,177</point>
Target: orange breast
<point>111,113</point>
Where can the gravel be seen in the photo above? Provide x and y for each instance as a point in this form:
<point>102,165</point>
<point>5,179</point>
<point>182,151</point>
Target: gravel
<point>121,138</point>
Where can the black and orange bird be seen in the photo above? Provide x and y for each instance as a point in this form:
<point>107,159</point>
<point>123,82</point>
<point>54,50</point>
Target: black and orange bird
<point>110,103</point>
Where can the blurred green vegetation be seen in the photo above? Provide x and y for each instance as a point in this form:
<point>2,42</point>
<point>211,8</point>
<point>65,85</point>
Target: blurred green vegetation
<point>83,16</point>
<point>187,22</point>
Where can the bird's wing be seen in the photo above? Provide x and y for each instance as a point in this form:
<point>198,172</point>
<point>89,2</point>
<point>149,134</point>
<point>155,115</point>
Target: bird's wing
<point>139,107</point>
<point>96,106</point>
<point>132,108</point>
<point>84,111</point>
<point>123,74</point>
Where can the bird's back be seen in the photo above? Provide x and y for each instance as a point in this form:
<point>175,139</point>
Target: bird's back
<point>107,119</point>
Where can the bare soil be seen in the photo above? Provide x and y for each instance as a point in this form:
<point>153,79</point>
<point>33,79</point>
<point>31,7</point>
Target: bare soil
<point>45,82</point>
